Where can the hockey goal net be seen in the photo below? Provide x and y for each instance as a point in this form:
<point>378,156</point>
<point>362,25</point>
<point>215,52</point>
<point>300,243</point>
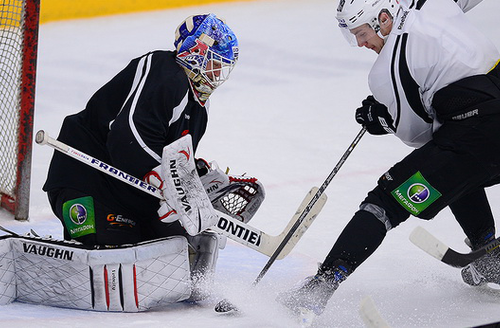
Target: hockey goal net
<point>18,49</point>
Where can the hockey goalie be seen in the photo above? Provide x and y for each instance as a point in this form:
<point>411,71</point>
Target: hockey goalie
<point>122,251</point>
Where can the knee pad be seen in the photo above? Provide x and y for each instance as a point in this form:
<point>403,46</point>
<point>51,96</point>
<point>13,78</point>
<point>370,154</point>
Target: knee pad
<point>385,208</point>
<point>378,212</point>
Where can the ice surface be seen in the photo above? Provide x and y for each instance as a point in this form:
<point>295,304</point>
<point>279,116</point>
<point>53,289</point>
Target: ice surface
<point>286,115</point>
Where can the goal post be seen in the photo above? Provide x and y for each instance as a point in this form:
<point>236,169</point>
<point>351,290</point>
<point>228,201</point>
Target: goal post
<point>19,21</point>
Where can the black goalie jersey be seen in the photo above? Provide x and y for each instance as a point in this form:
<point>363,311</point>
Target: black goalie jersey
<point>126,124</point>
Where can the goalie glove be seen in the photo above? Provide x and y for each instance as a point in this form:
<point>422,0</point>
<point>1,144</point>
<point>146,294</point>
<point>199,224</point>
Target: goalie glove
<point>237,196</point>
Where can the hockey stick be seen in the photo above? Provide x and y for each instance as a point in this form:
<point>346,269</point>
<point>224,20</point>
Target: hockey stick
<point>227,225</point>
<point>430,244</point>
<point>225,305</point>
<point>8,231</point>
<point>370,315</point>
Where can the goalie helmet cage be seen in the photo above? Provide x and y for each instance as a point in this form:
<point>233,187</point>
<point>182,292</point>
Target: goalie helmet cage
<point>18,53</point>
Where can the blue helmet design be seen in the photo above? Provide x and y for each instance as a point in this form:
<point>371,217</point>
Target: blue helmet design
<point>207,49</point>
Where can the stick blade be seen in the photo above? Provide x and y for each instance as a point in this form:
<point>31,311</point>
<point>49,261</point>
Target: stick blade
<point>370,315</point>
<point>428,243</point>
<point>431,245</point>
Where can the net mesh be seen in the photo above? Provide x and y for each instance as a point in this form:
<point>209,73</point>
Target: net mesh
<point>11,45</point>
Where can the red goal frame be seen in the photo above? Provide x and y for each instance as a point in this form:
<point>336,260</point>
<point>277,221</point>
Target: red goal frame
<point>18,203</point>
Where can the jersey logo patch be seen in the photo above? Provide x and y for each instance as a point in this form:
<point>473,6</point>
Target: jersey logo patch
<point>416,194</point>
<point>79,216</point>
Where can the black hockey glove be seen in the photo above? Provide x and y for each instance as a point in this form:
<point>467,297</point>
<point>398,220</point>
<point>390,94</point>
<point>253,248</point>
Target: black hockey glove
<point>375,117</point>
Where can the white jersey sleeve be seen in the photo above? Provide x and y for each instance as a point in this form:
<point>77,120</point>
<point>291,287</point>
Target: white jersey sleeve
<point>430,46</point>
<point>465,5</point>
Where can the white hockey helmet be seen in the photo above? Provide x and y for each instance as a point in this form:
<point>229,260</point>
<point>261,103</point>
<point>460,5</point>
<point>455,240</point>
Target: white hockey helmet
<point>354,13</point>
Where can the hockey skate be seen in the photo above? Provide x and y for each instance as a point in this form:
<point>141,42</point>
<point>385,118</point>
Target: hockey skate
<point>485,270</point>
<point>309,298</point>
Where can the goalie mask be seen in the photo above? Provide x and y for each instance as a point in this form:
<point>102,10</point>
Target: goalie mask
<point>355,13</point>
<point>207,49</point>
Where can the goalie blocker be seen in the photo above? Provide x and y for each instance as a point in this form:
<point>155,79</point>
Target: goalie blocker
<point>65,274</point>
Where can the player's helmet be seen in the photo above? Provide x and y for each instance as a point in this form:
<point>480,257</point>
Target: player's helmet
<point>207,49</point>
<point>354,13</point>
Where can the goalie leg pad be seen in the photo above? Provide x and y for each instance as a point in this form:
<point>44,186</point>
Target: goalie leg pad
<point>129,279</point>
<point>205,252</point>
<point>7,273</point>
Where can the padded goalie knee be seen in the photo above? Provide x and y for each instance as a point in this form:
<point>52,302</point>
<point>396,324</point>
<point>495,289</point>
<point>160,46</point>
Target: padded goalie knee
<point>238,196</point>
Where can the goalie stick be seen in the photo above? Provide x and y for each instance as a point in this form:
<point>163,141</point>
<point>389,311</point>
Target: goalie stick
<point>430,244</point>
<point>225,305</point>
<point>226,225</point>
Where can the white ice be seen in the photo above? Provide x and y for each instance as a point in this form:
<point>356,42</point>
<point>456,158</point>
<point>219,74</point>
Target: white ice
<point>285,116</point>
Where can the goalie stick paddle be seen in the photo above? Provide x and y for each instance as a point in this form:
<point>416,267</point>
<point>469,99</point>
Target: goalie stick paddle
<point>226,225</point>
<point>225,305</point>
<point>431,245</point>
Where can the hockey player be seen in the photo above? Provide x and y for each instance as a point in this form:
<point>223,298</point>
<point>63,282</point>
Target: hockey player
<point>436,86</point>
<point>155,100</point>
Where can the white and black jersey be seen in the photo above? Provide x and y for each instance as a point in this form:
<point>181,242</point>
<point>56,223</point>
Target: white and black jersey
<point>431,45</point>
<point>126,124</point>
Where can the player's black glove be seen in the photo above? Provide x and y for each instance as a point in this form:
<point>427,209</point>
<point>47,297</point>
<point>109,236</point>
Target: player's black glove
<point>375,117</point>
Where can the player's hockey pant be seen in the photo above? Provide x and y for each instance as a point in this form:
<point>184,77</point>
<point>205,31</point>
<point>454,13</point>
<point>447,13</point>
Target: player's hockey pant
<point>451,170</point>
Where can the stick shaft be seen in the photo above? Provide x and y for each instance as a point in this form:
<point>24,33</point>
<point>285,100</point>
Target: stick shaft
<point>306,210</point>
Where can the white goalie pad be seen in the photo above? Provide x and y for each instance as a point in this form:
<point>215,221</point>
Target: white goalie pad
<point>126,279</point>
<point>184,189</point>
<point>7,273</point>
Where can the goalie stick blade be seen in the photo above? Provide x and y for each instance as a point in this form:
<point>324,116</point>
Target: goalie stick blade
<point>430,244</point>
<point>306,223</point>
<point>370,315</point>
<point>263,242</point>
